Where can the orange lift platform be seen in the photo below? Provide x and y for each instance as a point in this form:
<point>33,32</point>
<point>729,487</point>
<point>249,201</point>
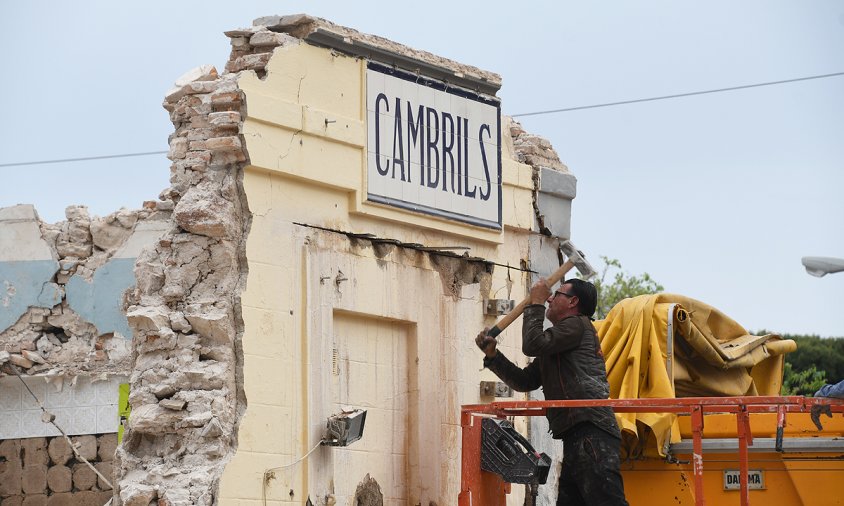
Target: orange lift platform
<point>793,463</point>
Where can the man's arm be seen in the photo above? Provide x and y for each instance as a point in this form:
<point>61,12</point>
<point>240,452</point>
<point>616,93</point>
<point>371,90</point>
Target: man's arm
<point>836,390</point>
<point>517,378</point>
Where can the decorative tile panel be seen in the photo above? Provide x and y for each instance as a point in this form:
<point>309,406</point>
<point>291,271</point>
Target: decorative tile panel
<point>84,408</point>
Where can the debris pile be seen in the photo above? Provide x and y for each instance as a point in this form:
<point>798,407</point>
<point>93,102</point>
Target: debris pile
<point>57,316</point>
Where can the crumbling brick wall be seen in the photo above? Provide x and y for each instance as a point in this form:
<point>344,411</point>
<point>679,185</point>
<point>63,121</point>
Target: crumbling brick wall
<point>61,321</point>
<point>186,387</point>
<point>60,318</point>
<point>35,470</point>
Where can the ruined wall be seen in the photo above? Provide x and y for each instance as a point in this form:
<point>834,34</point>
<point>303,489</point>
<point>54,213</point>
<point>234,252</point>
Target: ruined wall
<point>185,386</point>
<point>45,471</point>
<point>63,330</point>
<point>62,288</point>
<point>309,298</point>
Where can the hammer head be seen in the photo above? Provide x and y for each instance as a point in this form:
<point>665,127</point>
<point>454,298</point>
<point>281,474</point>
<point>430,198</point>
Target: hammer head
<point>576,256</point>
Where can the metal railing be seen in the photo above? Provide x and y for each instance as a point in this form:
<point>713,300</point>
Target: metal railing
<point>481,488</point>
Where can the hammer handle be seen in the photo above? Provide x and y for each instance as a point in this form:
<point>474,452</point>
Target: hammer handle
<point>517,311</point>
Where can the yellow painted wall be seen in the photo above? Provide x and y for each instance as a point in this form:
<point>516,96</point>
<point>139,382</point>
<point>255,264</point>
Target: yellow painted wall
<point>331,321</point>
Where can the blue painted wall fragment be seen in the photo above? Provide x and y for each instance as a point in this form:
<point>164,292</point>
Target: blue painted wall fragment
<point>25,283</point>
<point>99,300</point>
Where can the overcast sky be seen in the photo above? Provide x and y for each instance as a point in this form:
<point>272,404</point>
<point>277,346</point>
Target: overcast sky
<point>717,196</point>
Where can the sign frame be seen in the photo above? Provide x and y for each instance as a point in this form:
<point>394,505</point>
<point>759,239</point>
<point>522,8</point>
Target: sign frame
<point>731,479</point>
<point>495,176</point>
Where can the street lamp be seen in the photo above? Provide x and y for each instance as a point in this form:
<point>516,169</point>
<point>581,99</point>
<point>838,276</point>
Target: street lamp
<point>821,266</point>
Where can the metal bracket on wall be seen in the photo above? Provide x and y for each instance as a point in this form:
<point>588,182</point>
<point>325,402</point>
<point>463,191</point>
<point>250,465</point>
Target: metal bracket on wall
<point>495,389</point>
<point>498,307</point>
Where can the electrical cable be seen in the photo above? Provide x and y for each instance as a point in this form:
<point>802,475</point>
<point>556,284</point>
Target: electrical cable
<point>82,159</point>
<point>678,95</point>
<point>267,472</point>
<point>520,115</point>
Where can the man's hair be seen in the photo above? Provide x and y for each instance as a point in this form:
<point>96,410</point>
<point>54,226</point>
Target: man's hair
<point>587,295</point>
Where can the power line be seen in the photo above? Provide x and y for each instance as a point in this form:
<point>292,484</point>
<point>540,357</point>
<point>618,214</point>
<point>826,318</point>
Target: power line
<point>679,95</point>
<point>63,160</point>
<point>535,113</point>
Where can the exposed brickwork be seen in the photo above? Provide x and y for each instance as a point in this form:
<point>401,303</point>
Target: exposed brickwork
<point>186,388</point>
<point>56,340</point>
<point>43,471</point>
<point>534,150</point>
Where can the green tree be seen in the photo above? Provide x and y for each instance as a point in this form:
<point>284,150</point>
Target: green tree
<point>824,354</point>
<point>805,382</point>
<point>614,285</point>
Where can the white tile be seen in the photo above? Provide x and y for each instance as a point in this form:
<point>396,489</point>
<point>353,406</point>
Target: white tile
<point>32,424</point>
<point>108,392</point>
<point>107,419</point>
<point>85,393</point>
<point>84,420</point>
<point>38,387</point>
<point>59,399</point>
<point>64,419</point>
<point>10,394</point>
<point>10,424</point>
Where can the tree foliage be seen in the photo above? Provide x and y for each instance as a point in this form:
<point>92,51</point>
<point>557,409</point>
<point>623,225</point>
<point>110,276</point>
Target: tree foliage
<point>614,285</point>
<point>815,357</point>
<point>825,354</point>
<point>801,382</point>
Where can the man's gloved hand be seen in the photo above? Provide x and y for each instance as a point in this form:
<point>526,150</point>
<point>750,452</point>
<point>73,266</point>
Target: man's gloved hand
<point>817,409</point>
<point>486,343</point>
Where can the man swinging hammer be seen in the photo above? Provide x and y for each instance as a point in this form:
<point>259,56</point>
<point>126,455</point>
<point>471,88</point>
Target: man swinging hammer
<point>568,364</point>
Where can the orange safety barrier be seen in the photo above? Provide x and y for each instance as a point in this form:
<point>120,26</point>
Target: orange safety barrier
<point>481,488</point>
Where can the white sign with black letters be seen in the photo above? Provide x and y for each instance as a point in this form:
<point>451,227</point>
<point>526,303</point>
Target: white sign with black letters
<point>432,148</point>
<point>755,479</point>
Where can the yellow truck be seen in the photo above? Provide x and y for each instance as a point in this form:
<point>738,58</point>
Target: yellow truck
<point>697,398</point>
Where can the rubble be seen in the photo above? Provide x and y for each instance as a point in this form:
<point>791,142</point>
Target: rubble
<point>51,336</point>
<point>534,150</point>
<point>186,397</point>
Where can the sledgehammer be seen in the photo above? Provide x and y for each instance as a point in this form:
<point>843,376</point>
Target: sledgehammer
<point>575,259</point>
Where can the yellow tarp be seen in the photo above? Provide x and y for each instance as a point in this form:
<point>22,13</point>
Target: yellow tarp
<point>712,356</point>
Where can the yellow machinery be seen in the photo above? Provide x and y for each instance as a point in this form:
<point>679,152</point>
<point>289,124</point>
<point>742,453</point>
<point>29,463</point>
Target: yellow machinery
<point>697,399</point>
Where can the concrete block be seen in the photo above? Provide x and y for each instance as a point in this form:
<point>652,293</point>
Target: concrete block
<point>137,494</point>
<point>14,500</point>
<point>10,468</point>
<point>63,499</point>
<point>20,235</point>
<point>84,478</point>
<point>32,500</point>
<point>86,446</point>
<point>557,183</point>
<point>145,234</point>
<point>34,451</point>
<point>556,214</point>
<point>34,480</point>
<point>33,356</point>
<point>107,470</point>
<point>107,445</point>
<point>59,479</point>
<point>108,236</point>
<point>91,498</point>
<point>201,73</point>
<point>59,451</point>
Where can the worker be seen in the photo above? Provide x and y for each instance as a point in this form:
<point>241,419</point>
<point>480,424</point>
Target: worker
<point>829,390</point>
<point>568,365</point>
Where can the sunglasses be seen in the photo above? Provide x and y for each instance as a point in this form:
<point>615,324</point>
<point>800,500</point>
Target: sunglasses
<point>558,292</point>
